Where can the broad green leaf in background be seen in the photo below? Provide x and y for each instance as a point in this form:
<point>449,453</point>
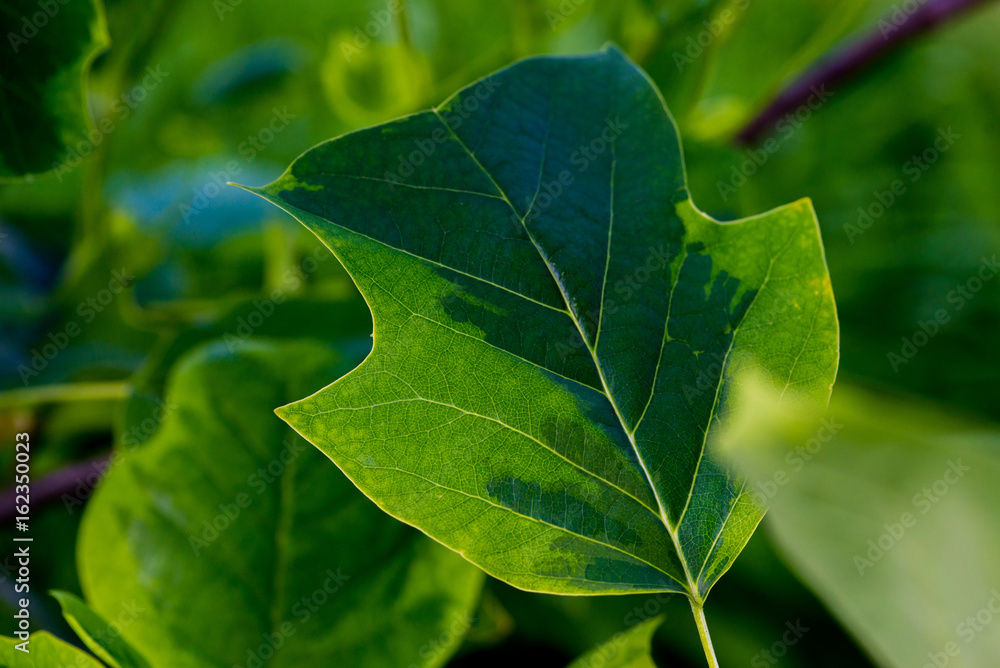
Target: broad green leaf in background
<point>626,649</point>
<point>882,500</point>
<point>100,637</point>
<point>43,110</point>
<point>46,651</point>
<point>226,538</point>
<point>555,327</point>
<point>344,325</point>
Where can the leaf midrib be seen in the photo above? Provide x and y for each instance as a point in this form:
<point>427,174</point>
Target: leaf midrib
<point>672,532</point>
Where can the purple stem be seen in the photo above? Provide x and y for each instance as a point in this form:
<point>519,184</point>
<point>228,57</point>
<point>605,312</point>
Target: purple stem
<point>853,59</point>
<point>77,480</point>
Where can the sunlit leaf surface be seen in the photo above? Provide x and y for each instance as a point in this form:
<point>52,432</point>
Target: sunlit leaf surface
<point>555,325</point>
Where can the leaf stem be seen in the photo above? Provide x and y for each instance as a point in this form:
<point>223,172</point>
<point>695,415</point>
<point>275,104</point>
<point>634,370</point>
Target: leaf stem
<point>77,479</point>
<point>706,639</point>
<point>852,59</point>
<point>64,393</point>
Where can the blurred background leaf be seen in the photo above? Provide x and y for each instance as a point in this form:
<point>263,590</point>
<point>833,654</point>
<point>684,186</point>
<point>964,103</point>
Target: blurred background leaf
<point>43,100</point>
<point>883,502</point>
<point>227,539</point>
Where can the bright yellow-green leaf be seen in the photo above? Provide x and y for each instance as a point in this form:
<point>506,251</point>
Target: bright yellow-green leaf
<point>43,651</point>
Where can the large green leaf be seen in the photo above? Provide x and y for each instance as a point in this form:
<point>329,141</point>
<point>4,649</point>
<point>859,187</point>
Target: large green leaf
<point>881,500</point>
<point>626,649</point>
<point>48,48</point>
<point>555,327</point>
<point>224,536</point>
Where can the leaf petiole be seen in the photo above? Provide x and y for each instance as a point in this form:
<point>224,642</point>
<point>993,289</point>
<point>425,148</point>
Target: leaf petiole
<point>64,393</point>
<point>706,639</point>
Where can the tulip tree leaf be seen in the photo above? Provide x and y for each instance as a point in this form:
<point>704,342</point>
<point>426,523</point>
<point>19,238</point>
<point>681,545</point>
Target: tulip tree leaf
<point>43,107</point>
<point>225,540</point>
<point>43,651</point>
<point>625,649</point>
<point>555,326</point>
